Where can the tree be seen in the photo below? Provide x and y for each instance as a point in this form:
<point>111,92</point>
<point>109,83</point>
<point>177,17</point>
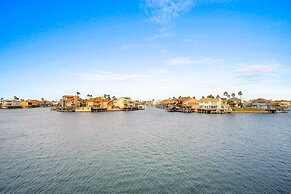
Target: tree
<point>1,98</point>
<point>194,97</point>
<point>228,96</point>
<point>89,96</point>
<point>203,97</point>
<point>233,95</point>
<point>15,98</point>
<point>225,94</point>
<point>240,95</point>
<point>42,99</point>
<point>210,96</point>
<point>78,93</point>
<point>217,96</point>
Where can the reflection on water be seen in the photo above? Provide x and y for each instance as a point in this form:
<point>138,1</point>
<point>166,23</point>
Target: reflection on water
<point>145,151</point>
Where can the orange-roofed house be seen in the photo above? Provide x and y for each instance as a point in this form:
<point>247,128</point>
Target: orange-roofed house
<point>98,104</point>
<point>70,102</point>
<point>35,103</point>
<point>25,104</point>
<point>30,103</point>
<point>188,102</point>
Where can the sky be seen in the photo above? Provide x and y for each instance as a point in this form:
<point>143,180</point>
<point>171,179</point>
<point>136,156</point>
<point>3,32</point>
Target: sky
<point>145,49</point>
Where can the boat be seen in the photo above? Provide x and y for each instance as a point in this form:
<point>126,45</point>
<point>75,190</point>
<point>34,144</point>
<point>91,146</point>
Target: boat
<point>140,107</point>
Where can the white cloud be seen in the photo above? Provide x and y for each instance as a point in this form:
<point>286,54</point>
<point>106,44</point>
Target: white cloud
<point>160,36</point>
<point>159,71</point>
<point>257,74</point>
<point>100,75</point>
<point>258,68</point>
<point>188,61</point>
<point>188,40</point>
<point>164,11</point>
<point>130,46</point>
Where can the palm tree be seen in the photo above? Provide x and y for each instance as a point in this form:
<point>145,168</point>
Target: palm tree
<point>203,97</point>
<point>233,95</point>
<point>217,96</point>
<point>78,93</point>
<point>225,94</point>
<point>89,96</point>
<point>15,98</point>
<point>228,96</point>
<point>1,98</point>
<point>42,99</point>
<point>240,95</point>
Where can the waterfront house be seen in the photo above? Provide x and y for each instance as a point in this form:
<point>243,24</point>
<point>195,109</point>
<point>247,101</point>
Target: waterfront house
<point>164,103</point>
<point>70,102</point>
<point>188,102</point>
<point>260,103</point>
<point>25,104</point>
<point>99,104</point>
<point>279,106</point>
<point>109,105</point>
<point>30,103</point>
<point>96,104</point>
<point>124,103</point>
<point>11,103</point>
<point>213,105</point>
<point>282,103</point>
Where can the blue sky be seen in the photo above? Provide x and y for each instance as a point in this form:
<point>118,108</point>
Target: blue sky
<point>145,48</point>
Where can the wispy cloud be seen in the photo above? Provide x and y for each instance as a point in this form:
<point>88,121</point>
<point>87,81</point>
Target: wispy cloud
<point>130,46</point>
<point>112,76</point>
<point>160,36</point>
<point>100,75</point>
<point>164,11</point>
<point>257,74</point>
<point>188,40</point>
<point>159,71</point>
<point>258,68</point>
<point>188,61</point>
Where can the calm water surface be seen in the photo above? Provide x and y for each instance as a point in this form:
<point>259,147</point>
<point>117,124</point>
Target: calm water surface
<point>149,151</point>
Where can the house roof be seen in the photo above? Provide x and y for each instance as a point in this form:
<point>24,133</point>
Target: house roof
<point>185,99</point>
<point>166,101</point>
<point>234,99</point>
<point>261,100</point>
<point>35,101</point>
<point>193,102</point>
<point>97,99</point>
<point>208,99</point>
<point>70,97</point>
